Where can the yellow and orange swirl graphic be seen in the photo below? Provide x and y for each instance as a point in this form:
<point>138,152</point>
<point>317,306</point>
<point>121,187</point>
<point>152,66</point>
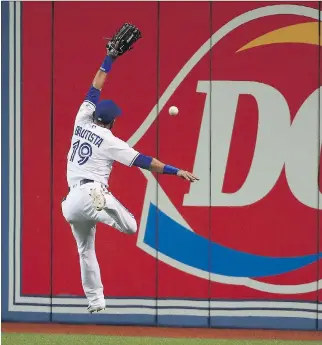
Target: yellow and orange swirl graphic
<point>306,33</point>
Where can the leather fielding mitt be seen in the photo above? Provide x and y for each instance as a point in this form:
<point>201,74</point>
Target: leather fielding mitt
<point>123,40</point>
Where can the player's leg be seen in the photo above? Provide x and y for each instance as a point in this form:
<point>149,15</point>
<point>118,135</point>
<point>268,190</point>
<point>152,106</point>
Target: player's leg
<point>84,233</point>
<point>107,207</point>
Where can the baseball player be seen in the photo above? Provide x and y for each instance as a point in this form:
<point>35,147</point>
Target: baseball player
<point>92,153</point>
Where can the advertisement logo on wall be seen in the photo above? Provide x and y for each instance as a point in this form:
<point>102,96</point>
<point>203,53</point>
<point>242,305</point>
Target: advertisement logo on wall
<point>282,145</point>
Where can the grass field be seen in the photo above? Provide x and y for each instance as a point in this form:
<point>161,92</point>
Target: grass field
<point>55,339</point>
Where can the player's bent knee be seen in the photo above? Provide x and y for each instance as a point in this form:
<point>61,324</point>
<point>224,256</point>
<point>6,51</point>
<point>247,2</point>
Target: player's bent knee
<point>86,253</point>
<point>88,258</point>
<point>131,227</point>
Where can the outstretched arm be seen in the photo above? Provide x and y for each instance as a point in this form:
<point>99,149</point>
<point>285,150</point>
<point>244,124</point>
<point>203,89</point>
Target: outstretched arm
<point>99,80</point>
<point>120,43</point>
<point>85,112</point>
<point>120,151</point>
<point>154,165</point>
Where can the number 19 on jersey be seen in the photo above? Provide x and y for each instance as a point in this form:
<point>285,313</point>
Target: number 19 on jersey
<point>82,151</point>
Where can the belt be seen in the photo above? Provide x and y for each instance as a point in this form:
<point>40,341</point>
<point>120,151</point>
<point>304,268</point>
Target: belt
<point>85,181</point>
<point>81,182</point>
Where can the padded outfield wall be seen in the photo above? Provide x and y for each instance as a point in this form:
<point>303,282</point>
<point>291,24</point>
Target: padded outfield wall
<point>240,248</point>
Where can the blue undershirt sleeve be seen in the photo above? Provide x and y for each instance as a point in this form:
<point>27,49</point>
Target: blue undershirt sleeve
<point>93,95</point>
<point>143,161</point>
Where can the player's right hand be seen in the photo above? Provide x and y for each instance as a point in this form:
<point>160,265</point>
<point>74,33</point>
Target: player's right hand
<point>187,176</point>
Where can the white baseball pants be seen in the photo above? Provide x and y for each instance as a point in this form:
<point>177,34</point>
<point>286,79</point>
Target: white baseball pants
<point>82,216</point>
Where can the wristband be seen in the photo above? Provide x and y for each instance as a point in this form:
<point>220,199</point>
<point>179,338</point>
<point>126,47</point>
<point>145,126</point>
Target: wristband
<point>107,64</point>
<point>168,169</point>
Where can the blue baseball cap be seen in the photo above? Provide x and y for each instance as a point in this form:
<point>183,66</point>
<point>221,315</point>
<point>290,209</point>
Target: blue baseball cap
<point>106,111</point>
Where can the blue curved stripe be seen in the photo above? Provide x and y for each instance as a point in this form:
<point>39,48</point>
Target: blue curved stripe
<point>193,250</point>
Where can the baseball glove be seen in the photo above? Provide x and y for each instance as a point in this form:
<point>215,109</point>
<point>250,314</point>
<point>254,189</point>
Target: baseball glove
<point>123,40</point>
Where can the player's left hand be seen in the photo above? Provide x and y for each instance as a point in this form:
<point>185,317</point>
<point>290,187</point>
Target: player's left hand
<point>187,176</point>
<point>123,40</point>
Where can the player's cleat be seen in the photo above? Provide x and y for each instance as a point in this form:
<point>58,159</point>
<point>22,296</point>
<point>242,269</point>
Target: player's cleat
<point>92,309</point>
<point>98,199</point>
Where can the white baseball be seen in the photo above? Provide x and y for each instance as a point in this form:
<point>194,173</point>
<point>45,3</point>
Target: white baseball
<point>173,110</point>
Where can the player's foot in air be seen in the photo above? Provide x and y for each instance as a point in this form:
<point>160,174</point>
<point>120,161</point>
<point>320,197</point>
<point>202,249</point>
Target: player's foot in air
<point>92,309</point>
<point>98,199</point>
